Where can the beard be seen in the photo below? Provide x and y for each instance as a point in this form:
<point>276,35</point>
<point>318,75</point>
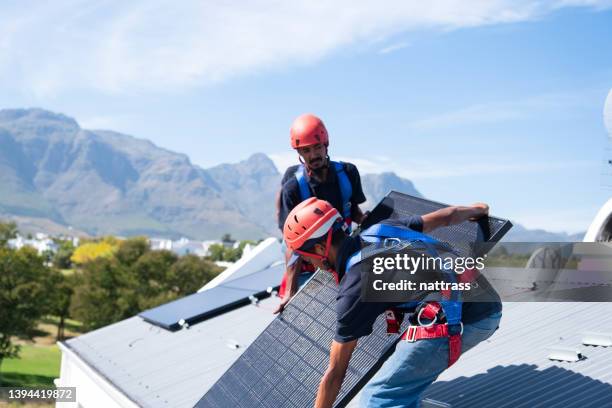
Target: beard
<point>320,169</point>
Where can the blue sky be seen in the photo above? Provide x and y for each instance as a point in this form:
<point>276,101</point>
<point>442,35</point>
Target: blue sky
<point>496,101</point>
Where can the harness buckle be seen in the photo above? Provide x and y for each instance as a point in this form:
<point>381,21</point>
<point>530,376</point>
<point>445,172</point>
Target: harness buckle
<point>389,243</point>
<point>411,334</point>
<point>435,319</point>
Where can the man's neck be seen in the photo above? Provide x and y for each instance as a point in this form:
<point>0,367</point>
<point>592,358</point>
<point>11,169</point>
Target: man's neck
<point>332,257</point>
<point>320,174</point>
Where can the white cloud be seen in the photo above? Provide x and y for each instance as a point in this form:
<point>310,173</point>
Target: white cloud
<point>441,168</point>
<point>394,47</point>
<point>115,46</point>
<point>116,122</point>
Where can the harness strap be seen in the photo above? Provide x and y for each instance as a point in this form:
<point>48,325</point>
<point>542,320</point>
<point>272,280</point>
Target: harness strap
<point>302,183</point>
<point>380,232</point>
<point>436,331</point>
<point>394,320</point>
<point>346,189</point>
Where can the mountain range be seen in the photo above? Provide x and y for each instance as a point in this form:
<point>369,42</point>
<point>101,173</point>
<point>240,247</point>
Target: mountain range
<point>56,176</point>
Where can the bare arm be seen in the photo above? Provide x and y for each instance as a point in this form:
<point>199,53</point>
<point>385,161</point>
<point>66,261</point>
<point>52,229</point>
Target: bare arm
<point>277,204</point>
<point>292,284</point>
<point>339,358</point>
<point>453,215</point>
<point>359,216</point>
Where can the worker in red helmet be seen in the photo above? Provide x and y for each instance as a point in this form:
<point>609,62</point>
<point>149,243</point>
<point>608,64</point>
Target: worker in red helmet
<point>317,231</point>
<point>316,176</point>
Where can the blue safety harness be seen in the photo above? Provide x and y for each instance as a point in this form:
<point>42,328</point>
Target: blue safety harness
<point>389,237</point>
<point>346,189</point>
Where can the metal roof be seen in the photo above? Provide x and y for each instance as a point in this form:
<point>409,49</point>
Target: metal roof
<point>158,368</point>
<point>512,369</point>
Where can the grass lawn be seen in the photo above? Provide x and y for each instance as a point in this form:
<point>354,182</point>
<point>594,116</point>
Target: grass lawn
<point>37,366</point>
<point>71,327</point>
<point>5,404</point>
<point>40,358</point>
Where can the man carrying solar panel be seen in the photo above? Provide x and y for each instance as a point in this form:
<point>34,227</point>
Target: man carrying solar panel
<point>317,176</point>
<point>316,231</point>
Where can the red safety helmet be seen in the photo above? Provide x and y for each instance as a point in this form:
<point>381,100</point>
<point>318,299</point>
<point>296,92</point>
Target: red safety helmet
<point>311,219</point>
<point>308,130</point>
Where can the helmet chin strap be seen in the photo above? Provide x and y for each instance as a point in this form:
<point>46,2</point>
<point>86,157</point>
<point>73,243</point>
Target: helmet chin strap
<point>324,258</point>
<point>308,170</point>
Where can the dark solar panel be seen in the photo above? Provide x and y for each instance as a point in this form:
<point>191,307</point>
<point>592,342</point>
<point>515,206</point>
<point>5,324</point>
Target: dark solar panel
<point>204,305</point>
<point>283,366</point>
<point>464,237</point>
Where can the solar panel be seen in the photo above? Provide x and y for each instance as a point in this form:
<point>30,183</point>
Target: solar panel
<point>284,365</point>
<point>209,303</point>
<point>466,238</point>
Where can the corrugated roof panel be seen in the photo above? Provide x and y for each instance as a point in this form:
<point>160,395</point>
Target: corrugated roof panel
<point>511,369</point>
<point>144,361</point>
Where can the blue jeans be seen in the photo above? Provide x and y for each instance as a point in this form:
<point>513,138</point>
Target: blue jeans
<point>414,366</point>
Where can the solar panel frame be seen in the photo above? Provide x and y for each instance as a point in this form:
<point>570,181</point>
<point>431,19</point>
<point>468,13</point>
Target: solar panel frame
<point>284,365</point>
<point>222,298</point>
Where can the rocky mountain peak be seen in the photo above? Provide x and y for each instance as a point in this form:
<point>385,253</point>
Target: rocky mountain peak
<point>37,118</point>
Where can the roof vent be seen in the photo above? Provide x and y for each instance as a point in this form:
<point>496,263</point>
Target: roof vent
<point>233,345</point>
<point>597,339</point>
<point>564,354</point>
<point>430,403</point>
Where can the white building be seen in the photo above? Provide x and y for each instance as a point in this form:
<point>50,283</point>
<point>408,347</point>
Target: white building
<point>42,243</point>
<point>158,244</point>
<point>183,246</point>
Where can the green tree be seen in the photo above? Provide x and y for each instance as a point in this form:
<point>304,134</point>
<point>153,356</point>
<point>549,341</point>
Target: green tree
<point>104,293</point>
<point>151,273</point>
<point>232,254</point>
<point>216,252</point>
<point>24,285</point>
<point>61,259</point>
<point>131,250</point>
<point>8,230</point>
<point>60,299</point>
<point>190,273</point>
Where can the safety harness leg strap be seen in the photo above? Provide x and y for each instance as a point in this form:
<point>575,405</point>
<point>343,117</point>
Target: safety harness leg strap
<point>436,331</point>
<point>454,348</point>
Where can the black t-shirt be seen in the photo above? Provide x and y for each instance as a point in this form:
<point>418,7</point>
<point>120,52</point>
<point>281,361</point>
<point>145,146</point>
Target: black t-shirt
<point>356,318</point>
<point>328,190</point>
